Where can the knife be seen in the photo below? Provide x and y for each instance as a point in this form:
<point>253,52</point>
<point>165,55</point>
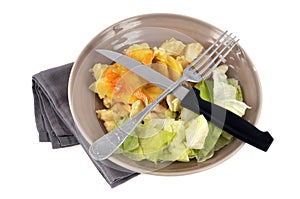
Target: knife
<point>190,99</point>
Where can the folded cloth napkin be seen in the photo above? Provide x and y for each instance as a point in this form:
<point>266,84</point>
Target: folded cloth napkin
<point>55,124</point>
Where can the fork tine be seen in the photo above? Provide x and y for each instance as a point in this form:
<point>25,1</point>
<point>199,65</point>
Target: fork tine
<point>214,58</point>
<point>206,51</point>
<point>195,69</point>
<point>211,69</point>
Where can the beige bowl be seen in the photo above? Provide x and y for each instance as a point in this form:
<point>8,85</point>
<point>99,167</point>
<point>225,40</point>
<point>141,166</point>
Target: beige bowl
<point>154,29</point>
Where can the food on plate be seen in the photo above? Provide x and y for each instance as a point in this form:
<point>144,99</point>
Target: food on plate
<point>169,132</point>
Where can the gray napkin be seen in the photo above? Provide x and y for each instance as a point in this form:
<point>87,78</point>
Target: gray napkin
<point>55,124</point>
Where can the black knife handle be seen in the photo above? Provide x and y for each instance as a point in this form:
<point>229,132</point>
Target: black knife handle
<point>228,121</point>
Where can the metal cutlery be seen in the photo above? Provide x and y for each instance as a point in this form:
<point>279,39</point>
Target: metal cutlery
<point>195,72</point>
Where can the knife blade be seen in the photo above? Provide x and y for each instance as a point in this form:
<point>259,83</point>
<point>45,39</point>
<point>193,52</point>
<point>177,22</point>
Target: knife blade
<point>190,99</point>
<point>145,72</point>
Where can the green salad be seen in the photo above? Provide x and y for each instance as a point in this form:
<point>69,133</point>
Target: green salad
<point>170,132</point>
<point>190,135</point>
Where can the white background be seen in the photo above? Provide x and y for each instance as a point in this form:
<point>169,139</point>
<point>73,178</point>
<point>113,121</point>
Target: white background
<point>37,35</point>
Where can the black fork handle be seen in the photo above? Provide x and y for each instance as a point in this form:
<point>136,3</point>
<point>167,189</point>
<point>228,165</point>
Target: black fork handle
<point>228,121</point>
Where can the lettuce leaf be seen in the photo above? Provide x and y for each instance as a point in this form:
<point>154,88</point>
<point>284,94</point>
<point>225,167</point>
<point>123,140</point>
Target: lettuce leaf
<point>206,89</point>
<point>222,141</point>
<point>177,149</point>
<point>210,142</point>
<point>157,142</point>
<point>131,143</point>
<point>196,132</point>
<point>225,92</point>
<point>183,136</point>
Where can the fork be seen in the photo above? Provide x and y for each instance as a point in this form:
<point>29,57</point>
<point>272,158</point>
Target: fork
<point>195,72</point>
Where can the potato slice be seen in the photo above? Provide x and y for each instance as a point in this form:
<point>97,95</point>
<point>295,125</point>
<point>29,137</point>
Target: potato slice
<point>136,107</point>
<point>174,67</point>
<point>146,93</point>
<point>109,125</point>
<point>192,51</point>
<point>107,83</point>
<point>141,53</point>
<point>182,60</point>
<point>161,68</point>
<point>98,70</point>
<point>173,47</point>
<point>173,103</point>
